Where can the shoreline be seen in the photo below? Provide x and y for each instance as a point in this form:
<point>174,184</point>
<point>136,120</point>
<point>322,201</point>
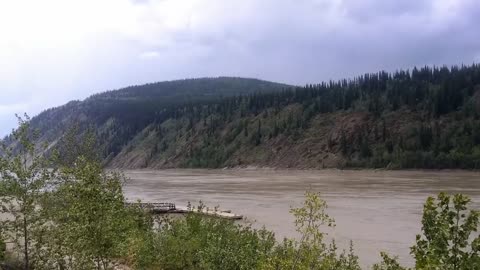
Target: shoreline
<point>266,169</point>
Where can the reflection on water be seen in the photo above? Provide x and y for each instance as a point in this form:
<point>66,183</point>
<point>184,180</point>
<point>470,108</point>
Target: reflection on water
<point>378,210</point>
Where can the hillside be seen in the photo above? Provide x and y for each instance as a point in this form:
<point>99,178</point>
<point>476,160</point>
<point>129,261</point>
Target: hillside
<point>118,115</point>
<point>424,118</point>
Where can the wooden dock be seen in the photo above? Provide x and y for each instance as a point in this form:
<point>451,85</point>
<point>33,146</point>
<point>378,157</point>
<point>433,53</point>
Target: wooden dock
<point>171,208</point>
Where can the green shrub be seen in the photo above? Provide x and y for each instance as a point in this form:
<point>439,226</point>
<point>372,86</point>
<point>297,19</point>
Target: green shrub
<point>200,242</point>
<point>449,239</point>
<point>311,251</point>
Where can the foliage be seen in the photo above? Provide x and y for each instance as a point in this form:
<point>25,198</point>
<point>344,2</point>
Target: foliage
<point>311,252</point>
<point>449,238</point>
<point>388,263</point>
<point>73,217</point>
<point>89,203</point>
<point>199,242</point>
<point>24,177</point>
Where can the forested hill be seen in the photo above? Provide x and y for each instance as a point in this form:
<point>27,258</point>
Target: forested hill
<point>423,118</point>
<point>119,115</point>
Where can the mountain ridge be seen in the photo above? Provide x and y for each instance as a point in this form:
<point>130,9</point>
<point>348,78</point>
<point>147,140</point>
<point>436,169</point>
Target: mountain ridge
<point>423,118</point>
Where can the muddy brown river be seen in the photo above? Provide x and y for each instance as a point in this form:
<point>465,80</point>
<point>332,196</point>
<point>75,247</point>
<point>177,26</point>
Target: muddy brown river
<point>377,210</point>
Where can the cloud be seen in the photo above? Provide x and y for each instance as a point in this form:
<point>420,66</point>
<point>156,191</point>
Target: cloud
<point>7,116</point>
<point>149,55</point>
<point>12,109</point>
<point>53,51</point>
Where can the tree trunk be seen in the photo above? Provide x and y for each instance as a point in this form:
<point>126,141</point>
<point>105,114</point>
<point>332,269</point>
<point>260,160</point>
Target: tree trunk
<point>25,240</point>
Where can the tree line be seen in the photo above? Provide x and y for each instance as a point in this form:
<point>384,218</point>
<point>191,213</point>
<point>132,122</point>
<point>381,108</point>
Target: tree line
<point>444,102</point>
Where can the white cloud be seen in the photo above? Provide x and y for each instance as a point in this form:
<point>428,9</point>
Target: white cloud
<point>149,55</point>
<point>12,109</point>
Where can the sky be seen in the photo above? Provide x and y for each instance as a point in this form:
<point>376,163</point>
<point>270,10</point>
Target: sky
<point>54,51</point>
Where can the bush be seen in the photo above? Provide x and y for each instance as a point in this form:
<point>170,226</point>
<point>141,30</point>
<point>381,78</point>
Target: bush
<point>447,241</point>
<point>388,263</point>
<point>311,252</point>
<point>200,242</point>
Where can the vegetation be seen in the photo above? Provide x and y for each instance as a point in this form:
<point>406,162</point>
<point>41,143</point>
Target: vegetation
<point>426,118</point>
<point>70,217</point>
<point>423,118</point>
<point>449,239</point>
<point>75,217</point>
<point>89,202</point>
<point>199,242</point>
<point>117,116</point>
<point>24,175</point>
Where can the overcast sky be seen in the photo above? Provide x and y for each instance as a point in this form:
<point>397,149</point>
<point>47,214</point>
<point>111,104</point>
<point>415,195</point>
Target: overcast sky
<point>53,51</point>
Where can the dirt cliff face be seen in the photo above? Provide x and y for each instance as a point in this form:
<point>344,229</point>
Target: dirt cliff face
<point>331,140</point>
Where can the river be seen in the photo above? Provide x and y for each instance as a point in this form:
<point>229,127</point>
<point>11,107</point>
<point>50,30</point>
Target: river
<point>377,210</point>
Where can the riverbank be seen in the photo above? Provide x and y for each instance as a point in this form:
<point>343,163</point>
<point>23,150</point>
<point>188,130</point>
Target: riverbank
<point>293,169</point>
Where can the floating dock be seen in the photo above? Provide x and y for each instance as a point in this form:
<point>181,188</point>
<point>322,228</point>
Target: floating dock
<point>171,208</point>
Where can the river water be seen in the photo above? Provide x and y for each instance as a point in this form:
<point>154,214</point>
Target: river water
<point>377,210</point>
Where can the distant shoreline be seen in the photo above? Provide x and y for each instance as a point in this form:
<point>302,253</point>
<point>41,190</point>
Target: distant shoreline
<point>255,168</point>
